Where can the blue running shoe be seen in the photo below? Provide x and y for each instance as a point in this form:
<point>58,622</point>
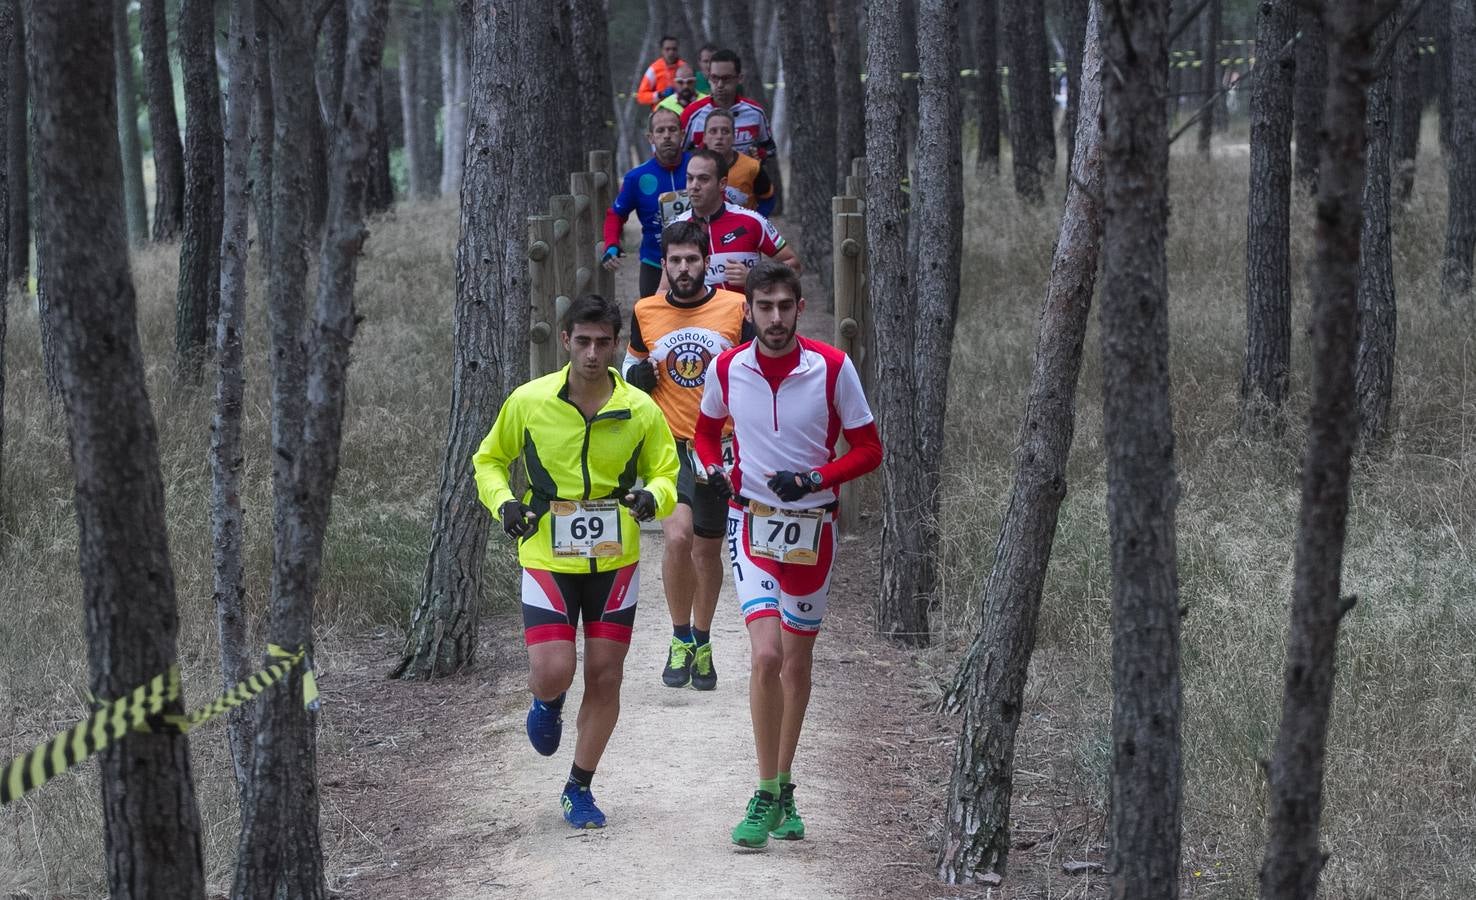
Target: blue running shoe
<point>579,807</point>
<point>546,725</point>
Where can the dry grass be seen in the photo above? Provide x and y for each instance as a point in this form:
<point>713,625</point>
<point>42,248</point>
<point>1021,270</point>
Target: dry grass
<point>1401,819</point>
<point>1401,810</point>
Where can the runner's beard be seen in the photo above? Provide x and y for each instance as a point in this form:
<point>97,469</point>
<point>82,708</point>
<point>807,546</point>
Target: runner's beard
<point>692,289</point>
<point>778,338</point>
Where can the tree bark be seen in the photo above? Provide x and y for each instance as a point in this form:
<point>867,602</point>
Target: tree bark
<point>491,324</point>
<point>596,97</point>
<point>1266,373</point>
<point>18,141</point>
<point>381,186</point>
<point>986,87</point>
<point>1045,87</point>
<point>1439,12</point>
<point>169,174</point>
<point>409,92</point>
<point>1142,488</point>
<point>8,27</point>
<point>1409,104</point>
<point>428,68</point>
<point>264,130</point>
<point>809,93</point>
<point>199,253</point>
<point>151,825</point>
<point>738,35</point>
<point>333,50</point>
<point>850,97</point>
<point>280,852</point>
<point>548,172</point>
<point>1460,223</point>
<point>1294,859</point>
<point>1209,71</point>
<point>1311,91</point>
<point>227,458</point>
<point>134,204</point>
<point>1025,95</point>
<point>1074,14</point>
<point>1377,318</point>
<point>991,684</point>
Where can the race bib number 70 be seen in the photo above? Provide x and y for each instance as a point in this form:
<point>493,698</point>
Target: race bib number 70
<point>585,528</point>
<point>785,535</point>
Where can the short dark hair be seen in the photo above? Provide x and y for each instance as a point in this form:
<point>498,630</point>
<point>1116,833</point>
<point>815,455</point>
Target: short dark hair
<point>707,48</point>
<point>651,119</point>
<point>770,273</point>
<point>684,232</point>
<point>592,309</point>
<point>668,37</point>
<point>711,156</point>
<point>722,111</point>
<point>728,56</point>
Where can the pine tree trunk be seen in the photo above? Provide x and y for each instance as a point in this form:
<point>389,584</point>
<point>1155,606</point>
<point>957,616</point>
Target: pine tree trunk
<point>491,324</point>
<point>381,185</point>
<point>1311,92</point>
<point>991,685</point>
<point>739,19</point>
<point>548,172</point>
<point>986,87</point>
<point>428,102</point>
<point>199,253</point>
<point>1074,14</point>
<point>1024,94</point>
<point>227,458</point>
<point>333,49</point>
<point>18,142</point>
<point>264,129</point>
<point>809,93</point>
<point>169,174</point>
<point>596,96</point>
<point>1044,85</point>
<point>1209,71</point>
<point>1460,223</point>
<point>1374,370</point>
<point>410,91</point>
<point>1142,488</point>
<point>8,27</point>
<point>850,96</point>
<point>134,204</point>
<point>152,843</point>
<point>1409,104</point>
<point>1266,374</point>
<point>453,93</point>
<point>1294,857</point>
<point>1441,61</point>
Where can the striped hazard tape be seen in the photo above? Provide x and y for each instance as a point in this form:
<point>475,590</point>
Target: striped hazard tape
<point>140,710</point>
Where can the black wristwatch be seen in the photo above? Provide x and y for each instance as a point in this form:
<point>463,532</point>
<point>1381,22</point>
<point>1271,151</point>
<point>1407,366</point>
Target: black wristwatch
<point>814,480</point>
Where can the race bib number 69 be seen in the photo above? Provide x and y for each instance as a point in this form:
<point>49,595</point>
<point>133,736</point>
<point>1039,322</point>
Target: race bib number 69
<point>585,528</point>
<point>785,535</point>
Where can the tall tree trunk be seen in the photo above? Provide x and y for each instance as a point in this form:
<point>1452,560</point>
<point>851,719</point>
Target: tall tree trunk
<point>491,323</point>
<point>381,186</point>
<point>453,140</point>
<point>1460,223</point>
<point>991,684</point>
<point>333,50</point>
<point>280,852</point>
<point>595,95</point>
<point>1024,94</point>
<point>1294,858</point>
<point>1374,371</point>
<point>986,86</point>
<point>1266,373</point>
<point>738,36</point>
<point>809,93</point>
<point>169,174</point>
<point>1142,488</point>
<point>199,253</point>
<point>415,176</point>
<point>548,172</point>
<point>18,142</point>
<point>1074,14</point>
<point>8,27</point>
<point>227,458</point>
<point>1209,71</point>
<point>1045,87</point>
<point>1311,93</point>
<point>1409,104</point>
<point>850,97</point>
<point>428,61</point>
<point>264,130</point>
<point>151,825</point>
<point>134,204</point>
<point>1441,61</point>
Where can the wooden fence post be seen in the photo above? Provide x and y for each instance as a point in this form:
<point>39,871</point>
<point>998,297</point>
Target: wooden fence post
<point>543,335</point>
<point>849,269</point>
<point>566,261</point>
<point>586,249</point>
<point>602,167</point>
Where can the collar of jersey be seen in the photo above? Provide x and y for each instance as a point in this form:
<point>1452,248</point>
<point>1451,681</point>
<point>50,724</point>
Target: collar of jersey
<point>748,356</point>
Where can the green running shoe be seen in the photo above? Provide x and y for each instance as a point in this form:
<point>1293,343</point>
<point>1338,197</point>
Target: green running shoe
<point>704,675</point>
<point>678,671</point>
<point>762,817</point>
<point>791,827</point>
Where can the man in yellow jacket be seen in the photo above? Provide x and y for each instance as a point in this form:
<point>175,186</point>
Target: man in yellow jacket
<point>584,436</point>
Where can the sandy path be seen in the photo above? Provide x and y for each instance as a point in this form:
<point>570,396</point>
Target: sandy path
<point>673,781</point>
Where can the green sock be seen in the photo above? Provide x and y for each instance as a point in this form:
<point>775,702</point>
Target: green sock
<point>769,784</point>
<point>784,779</point>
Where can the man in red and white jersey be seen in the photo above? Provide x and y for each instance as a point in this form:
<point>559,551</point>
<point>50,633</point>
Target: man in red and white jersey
<point>737,238</point>
<point>751,132</point>
<point>790,400</point>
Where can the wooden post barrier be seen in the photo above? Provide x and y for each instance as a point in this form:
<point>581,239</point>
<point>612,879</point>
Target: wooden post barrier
<point>566,261</point>
<point>586,233</point>
<point>602,167</point>
<point>543,333</point>
<point>848,256</point>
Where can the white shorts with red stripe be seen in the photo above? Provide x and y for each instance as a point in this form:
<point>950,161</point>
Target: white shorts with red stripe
<point>796,594</point>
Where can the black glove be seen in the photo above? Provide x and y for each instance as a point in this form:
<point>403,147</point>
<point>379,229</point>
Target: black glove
<point>641,503</point>
<point>717,480</point>
<point>790,486</point>
<point>642,374</point>
<point>518,519</point>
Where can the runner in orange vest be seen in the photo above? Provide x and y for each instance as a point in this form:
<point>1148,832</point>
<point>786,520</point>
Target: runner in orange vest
<point>660,74</point>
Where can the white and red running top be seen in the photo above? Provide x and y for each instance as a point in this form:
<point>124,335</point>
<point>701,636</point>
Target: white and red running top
<point>736,237</point>
<point>788,412</point>
<point>751,132</point>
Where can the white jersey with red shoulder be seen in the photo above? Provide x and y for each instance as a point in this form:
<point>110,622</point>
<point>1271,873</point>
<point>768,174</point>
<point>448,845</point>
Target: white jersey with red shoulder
<point>751,132</point>
<point>735,237</point>
<point>793,428</point>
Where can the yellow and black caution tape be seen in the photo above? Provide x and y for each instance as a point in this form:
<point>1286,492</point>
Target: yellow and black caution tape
<point>140,710</point>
